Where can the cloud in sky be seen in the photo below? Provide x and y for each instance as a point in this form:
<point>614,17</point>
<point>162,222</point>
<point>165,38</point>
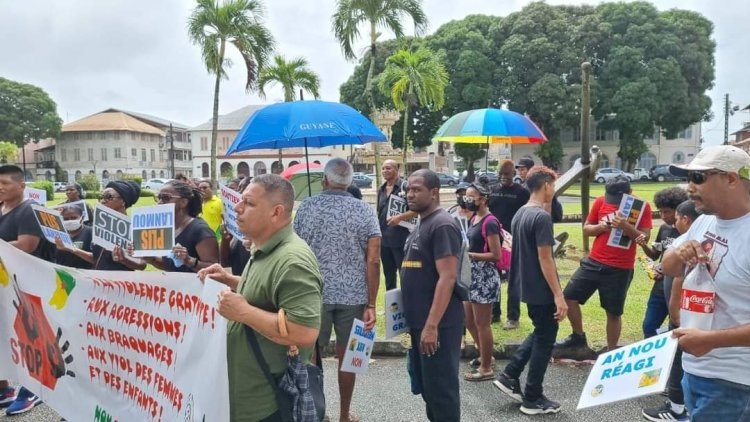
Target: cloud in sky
<point>90,55</point>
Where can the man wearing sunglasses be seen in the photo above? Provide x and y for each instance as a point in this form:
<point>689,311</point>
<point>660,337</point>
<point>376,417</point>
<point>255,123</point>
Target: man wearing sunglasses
<point>716,361</point>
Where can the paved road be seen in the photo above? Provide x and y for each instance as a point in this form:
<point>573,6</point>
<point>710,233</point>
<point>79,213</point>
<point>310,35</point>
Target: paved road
<point>383,395</point>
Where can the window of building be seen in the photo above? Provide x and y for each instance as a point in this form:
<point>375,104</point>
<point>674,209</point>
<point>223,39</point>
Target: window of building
<point>90,135</point>
<point>143,154</point>
<point>132,136</point>
<point>686,134</point>
<point>104,154</point>
<point>91,154</point>
<point>161,156</point>
<point>204,143</point>
<point>143,136</point>
<point>117,135</point>
<point>75,136</point>
<point>118,154</point>
<point>76,154</point>
<point>63,154</point>
<point>678,157</point>
<point>134,152</point>
<point>153,155</point>
<point>102,135</point>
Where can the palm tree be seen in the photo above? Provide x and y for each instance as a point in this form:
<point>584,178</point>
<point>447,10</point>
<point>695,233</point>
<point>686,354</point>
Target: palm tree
<point>240,23</point>
<point>414,79</point>
<point>289,75</point>
<point>379,14</point>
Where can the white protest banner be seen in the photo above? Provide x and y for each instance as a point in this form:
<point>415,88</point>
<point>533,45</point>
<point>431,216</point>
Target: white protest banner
<point>230,198</point>
<point>152,230</point>
<point>37,195</point>
<point>358,349</point>
<point>631,371</point>
<point>51,223</point>
<point>80,204</point>
<point>111,228</point>
<point>395,317</point>
<point>632,209</point>
<point>113,345</point>
<point>397,205</point>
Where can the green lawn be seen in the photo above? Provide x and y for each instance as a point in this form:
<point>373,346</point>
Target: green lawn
<point>645,190</point>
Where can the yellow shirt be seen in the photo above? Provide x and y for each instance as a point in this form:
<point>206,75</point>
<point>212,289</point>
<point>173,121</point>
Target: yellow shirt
<point>212,213</point>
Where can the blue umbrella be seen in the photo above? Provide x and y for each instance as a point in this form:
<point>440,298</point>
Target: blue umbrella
<point>305,124</point>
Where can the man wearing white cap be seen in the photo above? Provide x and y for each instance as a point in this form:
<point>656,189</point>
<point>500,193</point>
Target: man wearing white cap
<point>716,361</point>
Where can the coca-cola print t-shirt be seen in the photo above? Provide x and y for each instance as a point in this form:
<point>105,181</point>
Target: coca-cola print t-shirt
<point>725,243</point>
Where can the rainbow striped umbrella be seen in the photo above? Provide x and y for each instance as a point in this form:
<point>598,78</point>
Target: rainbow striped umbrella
<point>490,126</point>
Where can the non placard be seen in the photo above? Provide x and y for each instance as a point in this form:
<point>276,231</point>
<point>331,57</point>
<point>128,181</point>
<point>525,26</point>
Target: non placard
<point>152,230</point>
<point>230,198</point>
<point>397,205</point>
<point>635,370</point>
<point>631,208</point>
<point>358,349</point>
<point>51,223</point>
<point>395,317</point>
<point>37,195</point>
<point>111,228</point>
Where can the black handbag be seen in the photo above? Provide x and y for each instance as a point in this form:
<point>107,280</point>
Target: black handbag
<point>299,393</point>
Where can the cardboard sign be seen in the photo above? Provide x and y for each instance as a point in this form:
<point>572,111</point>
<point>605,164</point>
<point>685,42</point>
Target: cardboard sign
<point>358,349</point>
<point>395,317</point>
<point>397,205</point>
<point>110,228</point>
<point>631,371</point>
<point>113,345</point>
<point>37,195</point>
<point>80,204</point>
<point>152,230</point>
<point>230,198</point>
<point>632,209</point>
<point>51,223</point>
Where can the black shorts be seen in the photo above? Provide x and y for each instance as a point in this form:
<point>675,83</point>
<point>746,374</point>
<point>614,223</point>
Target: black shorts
<point>612,284</point>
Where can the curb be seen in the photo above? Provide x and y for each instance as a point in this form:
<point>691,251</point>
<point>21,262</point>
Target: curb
<point>394,348</point>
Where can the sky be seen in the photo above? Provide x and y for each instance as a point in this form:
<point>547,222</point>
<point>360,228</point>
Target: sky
<point>90,55</point>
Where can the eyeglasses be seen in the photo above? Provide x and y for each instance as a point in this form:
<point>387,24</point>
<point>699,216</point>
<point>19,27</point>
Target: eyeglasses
<point>108,197</point>
<point>165,197</point>
<point>700,177</point>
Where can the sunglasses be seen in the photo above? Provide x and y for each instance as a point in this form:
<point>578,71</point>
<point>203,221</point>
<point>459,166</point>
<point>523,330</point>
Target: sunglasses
<point>700,177</point>
<point>108,197</point>
<point>165,197</point>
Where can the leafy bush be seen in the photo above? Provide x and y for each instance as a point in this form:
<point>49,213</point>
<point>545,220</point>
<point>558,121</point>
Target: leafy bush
<point>92,194</point>
<point>89,182</point>
<point>147,193</point>
<point>133,177</point>
<point>45,185</point>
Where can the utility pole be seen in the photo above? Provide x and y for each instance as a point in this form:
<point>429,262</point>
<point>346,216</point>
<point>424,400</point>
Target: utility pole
<point>585,154</point>
<point>726,119</point>
<point>171,149</point>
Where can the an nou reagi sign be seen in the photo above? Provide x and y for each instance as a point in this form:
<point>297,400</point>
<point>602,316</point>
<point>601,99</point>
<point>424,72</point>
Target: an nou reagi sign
<point>110,228</point>
<point>152,230</point>
<point>111,345</point>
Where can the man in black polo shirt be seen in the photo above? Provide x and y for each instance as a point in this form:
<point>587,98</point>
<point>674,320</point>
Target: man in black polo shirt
<point>434,314</point>
<point>506,198</point>
<point>394,236</point>
<point>19,227</point>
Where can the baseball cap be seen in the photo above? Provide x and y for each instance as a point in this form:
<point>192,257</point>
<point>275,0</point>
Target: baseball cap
<point>525,162</point>
<point>462,186</point>
<point>721,157</point>
<point>615,188</point>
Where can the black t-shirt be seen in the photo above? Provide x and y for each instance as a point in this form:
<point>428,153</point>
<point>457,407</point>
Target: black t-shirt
<point>476,240</point>
<point>436,237</point>
<point>82,241</point>
<point>103,260</point>
<point>238,256</point>
<point>665,236</point>
<point>393,236</point>
<point>532,227</point>
<point>505,201</point>
<point>21,221</point>
<point>190,236</point>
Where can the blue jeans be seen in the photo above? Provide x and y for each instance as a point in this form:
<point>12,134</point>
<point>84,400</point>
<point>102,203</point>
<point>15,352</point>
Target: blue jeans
<point>710,399</point>
<point>656,312</point>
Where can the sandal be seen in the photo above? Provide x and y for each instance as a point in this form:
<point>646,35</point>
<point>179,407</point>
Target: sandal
<point>353,418</point>
<point>475,375</point>
<point>477,362</point>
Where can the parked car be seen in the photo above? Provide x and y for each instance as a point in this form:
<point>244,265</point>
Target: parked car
<point>491,176</point>
<point>447,180</point>
<point>60,186</point>
<point>154,184</point>
<point>606,173</point>
<point>660,173</point>
<point>641,174</point>
<point>361,181</point>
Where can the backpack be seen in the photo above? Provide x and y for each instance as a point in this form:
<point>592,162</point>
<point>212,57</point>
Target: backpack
<point>503,264</point>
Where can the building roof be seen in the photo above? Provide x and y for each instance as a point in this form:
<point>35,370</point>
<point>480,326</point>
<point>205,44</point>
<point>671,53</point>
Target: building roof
<point>233,120</point>
<point>149,118</point>
<point>745,128</point>
<point>111,120</point>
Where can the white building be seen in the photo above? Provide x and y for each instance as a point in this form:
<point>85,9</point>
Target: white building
<point>251,162</point>
<point>678,150</point>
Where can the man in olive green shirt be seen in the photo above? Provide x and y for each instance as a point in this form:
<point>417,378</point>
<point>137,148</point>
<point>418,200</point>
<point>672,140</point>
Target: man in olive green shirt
<point>281,274</point>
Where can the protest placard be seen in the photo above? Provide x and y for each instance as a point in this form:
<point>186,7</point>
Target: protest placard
<point>395,317</point>
<point>111,228</point>
<point>631,208</point>
<point>230,198</point>
<point>114,345</point>
<point>639,369</point>
<point>358,349</point>
<point>51,223</point>
<point>37,195</point>
<point>397,205</point>
<point>80,204</point>
<point>152,230</point>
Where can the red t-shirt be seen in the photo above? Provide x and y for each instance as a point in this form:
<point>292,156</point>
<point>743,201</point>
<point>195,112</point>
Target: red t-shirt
<point>611,255</point>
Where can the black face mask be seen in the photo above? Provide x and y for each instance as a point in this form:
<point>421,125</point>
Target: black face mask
<point>461,202</point>
<point>471,205</point>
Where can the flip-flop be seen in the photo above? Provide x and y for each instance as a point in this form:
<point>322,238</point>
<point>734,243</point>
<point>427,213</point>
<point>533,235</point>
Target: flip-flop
<point>478,376</point>
<point>477,362</point>
<point>353,418</point>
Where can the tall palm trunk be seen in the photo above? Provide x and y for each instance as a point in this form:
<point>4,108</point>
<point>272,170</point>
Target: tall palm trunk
<point>215,123</point>
<point>405,144</point>
<point>371,100</point>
